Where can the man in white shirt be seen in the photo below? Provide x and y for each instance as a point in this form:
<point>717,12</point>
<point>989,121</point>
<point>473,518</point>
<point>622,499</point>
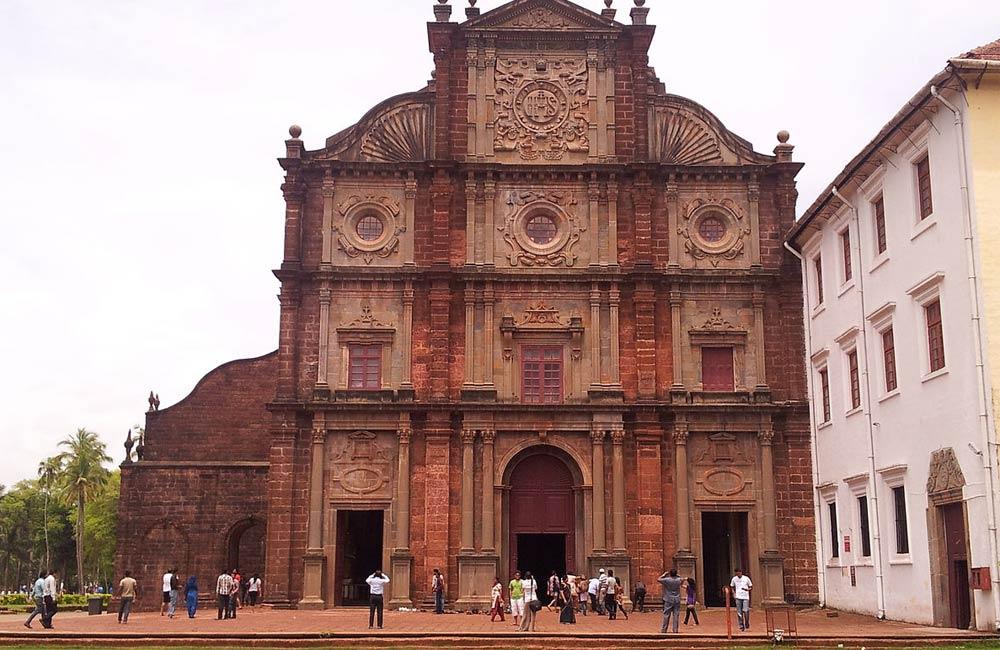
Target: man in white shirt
<point>166,591</point>
<point>610,596</point>
<point>593,588</point>
<point>742,586</point>
<point>376,590</point>
<point>50,591</point>
<point>223,588</point>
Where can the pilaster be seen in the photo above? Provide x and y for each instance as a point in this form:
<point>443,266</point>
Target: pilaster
<point>315,560</point>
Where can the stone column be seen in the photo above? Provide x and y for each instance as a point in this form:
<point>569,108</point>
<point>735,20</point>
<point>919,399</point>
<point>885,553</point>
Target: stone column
<point>595,335</point>
<point>489,297</point>
<point>324,340</point>
<point>407,333</point>
<point>594,222</point>
<point>470,218</point>
<point>672,218</point>
<point>328,188</point>
<point>771,561</point>
<point>758,339</point>
<point>676,342</point>
<point>470,334</point>
<point>401,560</point>
<point>612,219</point>
<point>614,299</point>
<point>618,489</point>
<point>681,486</point>
<point>489,196</point>
<point>468,438</point>
<point>312,580</point>
<point>597,440</point>
<point>486,539</point>
<point>753,196</point>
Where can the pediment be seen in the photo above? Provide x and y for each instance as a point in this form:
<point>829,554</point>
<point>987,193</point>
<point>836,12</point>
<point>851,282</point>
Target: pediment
<point>542,15</point>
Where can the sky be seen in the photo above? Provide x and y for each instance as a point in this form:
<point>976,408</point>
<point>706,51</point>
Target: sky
<point>140,209</point>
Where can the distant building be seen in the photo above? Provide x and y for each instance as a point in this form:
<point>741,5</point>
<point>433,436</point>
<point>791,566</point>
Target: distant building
<point>901,260</point>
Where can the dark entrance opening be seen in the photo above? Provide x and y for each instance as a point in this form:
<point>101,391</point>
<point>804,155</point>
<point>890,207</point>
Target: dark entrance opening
<point>542,553</point>
<point>957,564</point>
<point>724,549</point>
<point>359,553</point>
<point>245,550</point>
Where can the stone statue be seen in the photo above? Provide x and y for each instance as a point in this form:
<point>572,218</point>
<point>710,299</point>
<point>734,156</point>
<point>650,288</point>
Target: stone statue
<point>140,449</point>
<point>128,447</point>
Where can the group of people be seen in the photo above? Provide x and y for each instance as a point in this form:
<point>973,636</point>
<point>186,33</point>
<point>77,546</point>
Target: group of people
<point>673,585</point>
<point>44,593</point>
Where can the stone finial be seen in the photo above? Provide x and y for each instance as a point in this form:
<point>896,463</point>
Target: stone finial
<point>608,11</point>
<point>783,152</point>
<point>472,11</point>
<point>442,11</point>
<point>140,449</point>
<point>128,447</point>
<point>151,399</point>
<point>293,147</point>
<point>639,13</point>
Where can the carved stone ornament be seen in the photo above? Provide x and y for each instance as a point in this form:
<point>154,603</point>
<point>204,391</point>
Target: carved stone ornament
<point>367,320</point>
<point>721,449</point>
<point>361,465</point>
<point>541,107</point>
<point>541,314</point>
<point>680,139</point>
<point>713,229</point>
<point>717,322</point>
<point>945,476</point>
<point>554,207</point>
<point>540,18</point>
<point>369,226</point>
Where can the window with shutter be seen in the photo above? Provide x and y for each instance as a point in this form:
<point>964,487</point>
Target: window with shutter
<point>541,374</point>
<point>818,266</point>
<point>845,242</point>
<point>364,369</point>
<point>924,187</point>
<point>935,335</point>
<point>834,531</point>
<point>824,384</point>
<point>852,365</point>
<point>717,369</point>
<point>902,530</point>
<point>889,360</point>
<point>878,207</point>
<point>865,525</point>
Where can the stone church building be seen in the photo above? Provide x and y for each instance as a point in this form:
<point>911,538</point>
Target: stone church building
<point>535,315</point>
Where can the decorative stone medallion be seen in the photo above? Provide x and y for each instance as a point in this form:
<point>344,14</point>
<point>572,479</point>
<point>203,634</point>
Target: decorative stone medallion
<point>361,465</point>
<point>713,229</point>
<point>542,110</point>
<point>369,226</point>
<point>541,228</point>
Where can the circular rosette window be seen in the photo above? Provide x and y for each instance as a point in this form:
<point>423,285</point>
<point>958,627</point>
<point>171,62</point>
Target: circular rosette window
<point>367,227</point>
<point>541,228</point>
<point>714,229</point>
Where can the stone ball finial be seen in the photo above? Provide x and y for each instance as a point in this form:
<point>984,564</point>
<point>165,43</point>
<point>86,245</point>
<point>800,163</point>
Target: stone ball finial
<point>472,3</point>
<point>295,130</point>
<point>639,3</point>
<point>783,136</point>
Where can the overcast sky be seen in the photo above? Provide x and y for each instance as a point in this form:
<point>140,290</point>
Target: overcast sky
<point>139,194</point>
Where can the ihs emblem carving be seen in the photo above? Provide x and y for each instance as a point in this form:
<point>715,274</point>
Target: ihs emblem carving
<point>541,107</point>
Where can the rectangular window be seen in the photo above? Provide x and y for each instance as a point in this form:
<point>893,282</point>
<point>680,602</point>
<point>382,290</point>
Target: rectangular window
<point>845,243</point>
<point>818,266</point>
<point>834,532</point>
<point>924,187</point>
<point>889,360</point>
<point>364,367</point>
<point>852,365</point>
<point>541,374</point>
<point>935,336</point>
<point>824,383</point>
<point>878,207</point>
<point>899,509</point>
<point>717,369</point>
<point>866,538</point>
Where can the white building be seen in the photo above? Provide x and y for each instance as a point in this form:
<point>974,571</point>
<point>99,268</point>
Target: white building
<point>899,359</point>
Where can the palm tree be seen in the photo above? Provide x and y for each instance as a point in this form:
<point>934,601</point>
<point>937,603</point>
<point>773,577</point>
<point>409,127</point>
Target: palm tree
<point>48,471</point>
<point>82,474</point>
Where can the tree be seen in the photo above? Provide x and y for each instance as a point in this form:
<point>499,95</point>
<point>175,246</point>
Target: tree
<point>48,471</point>
<point>82,475</point>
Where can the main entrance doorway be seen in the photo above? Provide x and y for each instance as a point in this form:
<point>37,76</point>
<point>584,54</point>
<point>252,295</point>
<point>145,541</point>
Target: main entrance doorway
<point>724,549</point>
<point>542,519</point>
<point>957,565</point>
<point>359,553</point>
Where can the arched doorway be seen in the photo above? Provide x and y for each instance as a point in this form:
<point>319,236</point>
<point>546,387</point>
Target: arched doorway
<point>542,517</point>
<point>245,547</point>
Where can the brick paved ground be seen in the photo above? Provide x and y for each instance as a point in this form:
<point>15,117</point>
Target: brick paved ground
<point>273,624</point>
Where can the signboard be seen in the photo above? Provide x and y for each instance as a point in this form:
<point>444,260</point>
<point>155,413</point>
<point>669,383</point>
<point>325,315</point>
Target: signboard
<point>854,577</point>
<point>847,543</point>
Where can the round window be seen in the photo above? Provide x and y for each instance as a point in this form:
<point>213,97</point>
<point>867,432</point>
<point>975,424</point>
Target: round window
<point>369,228</point>
<point>712,228</point>
<point>541,229</point>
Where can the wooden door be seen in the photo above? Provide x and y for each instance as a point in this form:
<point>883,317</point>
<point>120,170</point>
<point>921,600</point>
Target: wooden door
<point>956,557</point>
<point>541,501</point>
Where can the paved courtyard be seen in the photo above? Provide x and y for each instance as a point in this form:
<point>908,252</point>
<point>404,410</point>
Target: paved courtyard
<point>352,623</point>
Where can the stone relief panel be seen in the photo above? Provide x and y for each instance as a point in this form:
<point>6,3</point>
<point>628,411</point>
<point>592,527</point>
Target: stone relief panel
<point>715,231</point>
<point>945,479</point>
<point>723,467</point>
<point>541,228</point>
<point>707,323</point>
<point>369,226</point>
<point>361,465</point>
<point>541,107</point>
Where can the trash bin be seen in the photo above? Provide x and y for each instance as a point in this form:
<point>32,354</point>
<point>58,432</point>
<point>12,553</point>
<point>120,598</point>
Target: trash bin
<point>94,605</point>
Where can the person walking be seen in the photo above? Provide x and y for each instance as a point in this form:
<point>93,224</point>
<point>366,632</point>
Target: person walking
<point>640,597</point>
<point>742,586</point>
<point>567,614</point>
<point>50,594</point>
<point>175,593</point>
<point>167,578</point>
<point>554,589</point>
<point>191,596</point>
<point>496,600</point>
<point>234,595</point>
<point>437,586</point>
<point>223,587</point>
<point>376,594</point>
<point>253,591</point>
<point>38,595</point>
<point>610,595</point>
<point>516,598</point>
<point>691,601</point>
<point>128,589</point>
<point>671,599</point>
<point>531,603</point>
<point>582,588</point>
<point>593,590</point>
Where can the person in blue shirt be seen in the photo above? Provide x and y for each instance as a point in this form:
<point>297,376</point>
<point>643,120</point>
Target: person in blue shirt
<point>38,594</point>
<point>191,596</point>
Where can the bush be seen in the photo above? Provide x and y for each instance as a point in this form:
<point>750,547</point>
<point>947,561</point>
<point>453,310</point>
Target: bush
<point>14,600</point>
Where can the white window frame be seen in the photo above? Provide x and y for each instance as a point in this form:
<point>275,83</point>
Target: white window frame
<point>858,487</point>
<point>924,293</point>
<point>871,190</point>
<point>881,319</point>
<point>848,341</point>
<point>828,497</point>
<point>820,362</point>
<point>895,477</point>
<point>917,147</point>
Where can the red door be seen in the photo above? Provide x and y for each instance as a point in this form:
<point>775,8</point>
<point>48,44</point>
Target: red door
<point>717,369</point>
<point>541,501</point>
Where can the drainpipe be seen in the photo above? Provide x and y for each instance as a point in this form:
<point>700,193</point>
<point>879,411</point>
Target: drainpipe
<point>986,427</point>
<point>873,522</point>
<point>817,512</point>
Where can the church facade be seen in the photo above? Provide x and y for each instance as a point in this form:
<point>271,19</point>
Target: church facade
<point>536,315</point>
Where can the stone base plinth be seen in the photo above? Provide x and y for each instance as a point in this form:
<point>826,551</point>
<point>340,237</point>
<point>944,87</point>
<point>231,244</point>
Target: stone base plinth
<point>401,568</point>
<point>476,572</point>
<point>619,563</point>
<point>772,564</point>
<point>312,580</point>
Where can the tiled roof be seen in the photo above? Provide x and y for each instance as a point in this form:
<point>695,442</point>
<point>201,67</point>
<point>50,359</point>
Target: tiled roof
<point>990,51</point>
